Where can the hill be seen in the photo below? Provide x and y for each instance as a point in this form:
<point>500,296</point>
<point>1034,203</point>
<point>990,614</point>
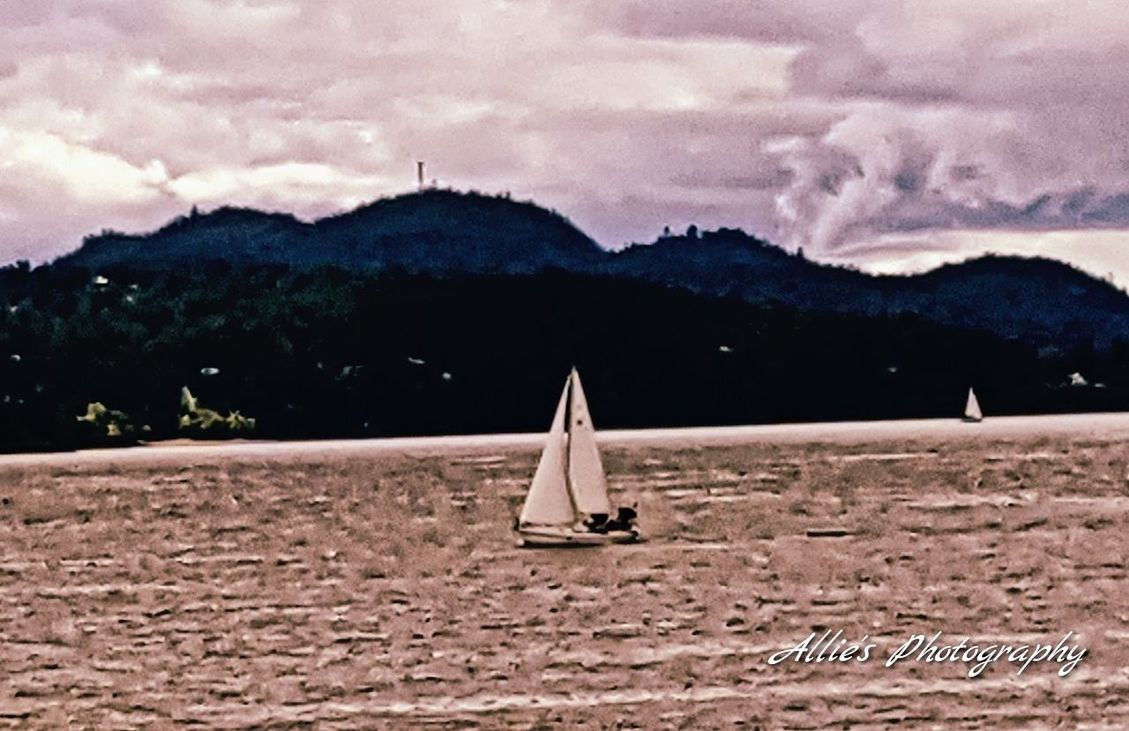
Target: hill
<point>1038,301</point>
<point>434,232</point>
<point>276,353</point>
<point>444,233</point>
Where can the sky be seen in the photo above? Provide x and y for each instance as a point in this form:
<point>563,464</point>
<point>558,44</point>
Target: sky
<point>893,135</point>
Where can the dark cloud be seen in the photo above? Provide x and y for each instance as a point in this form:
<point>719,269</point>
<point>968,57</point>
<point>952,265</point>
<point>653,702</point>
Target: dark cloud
<point>758,20</point>
<point>765,179</point>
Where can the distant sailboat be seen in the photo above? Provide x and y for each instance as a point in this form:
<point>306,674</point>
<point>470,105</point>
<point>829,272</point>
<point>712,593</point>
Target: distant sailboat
<point>568,504</point>
<point>972,408</point>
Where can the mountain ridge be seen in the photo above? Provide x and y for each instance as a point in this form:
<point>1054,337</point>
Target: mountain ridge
<point>442,232</point>
<point>446,230</point>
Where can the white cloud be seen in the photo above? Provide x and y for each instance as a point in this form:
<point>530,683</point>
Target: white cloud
<point>308,188</point>
<point>88,175</point>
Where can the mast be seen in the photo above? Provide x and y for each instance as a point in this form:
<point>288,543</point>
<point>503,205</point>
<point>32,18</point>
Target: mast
<point>568,443</point>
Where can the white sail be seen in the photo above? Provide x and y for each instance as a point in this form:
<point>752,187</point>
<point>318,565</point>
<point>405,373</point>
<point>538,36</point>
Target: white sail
<point>585,471</point>
<point>972,408</point>
<point>548,501</point>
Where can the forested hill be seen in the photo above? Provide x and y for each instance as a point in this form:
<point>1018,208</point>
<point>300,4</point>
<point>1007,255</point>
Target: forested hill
<point>269,352</point>
<point>442,312</point>
<point>433,232</point>
<point>1037,301</point>
<point>445,233</point>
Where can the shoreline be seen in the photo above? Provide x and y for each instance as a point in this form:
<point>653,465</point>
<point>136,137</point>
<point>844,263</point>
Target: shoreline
<point>1103,426</point>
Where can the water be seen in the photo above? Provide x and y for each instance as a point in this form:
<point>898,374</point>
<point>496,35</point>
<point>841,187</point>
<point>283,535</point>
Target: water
<point>369,583</point>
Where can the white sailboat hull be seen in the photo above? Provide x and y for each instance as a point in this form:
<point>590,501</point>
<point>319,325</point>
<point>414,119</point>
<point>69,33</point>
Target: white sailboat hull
<point>561,537</point>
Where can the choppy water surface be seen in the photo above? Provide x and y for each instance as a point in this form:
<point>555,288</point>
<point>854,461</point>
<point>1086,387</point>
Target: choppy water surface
<point>355,584</point>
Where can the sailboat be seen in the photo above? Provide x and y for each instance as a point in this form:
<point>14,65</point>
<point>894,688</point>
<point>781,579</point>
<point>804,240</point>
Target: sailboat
<point>972,408</point>
<point>568,504</point>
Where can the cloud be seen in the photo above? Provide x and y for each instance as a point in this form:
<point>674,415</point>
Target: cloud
<point>829,126</point>
<point>754,20</point>
<point>966,116</point>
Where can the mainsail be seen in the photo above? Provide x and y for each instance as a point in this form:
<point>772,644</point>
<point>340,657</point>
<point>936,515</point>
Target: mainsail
<point>972,408</point>
<point>548,501</point>
<point>585,471</point>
